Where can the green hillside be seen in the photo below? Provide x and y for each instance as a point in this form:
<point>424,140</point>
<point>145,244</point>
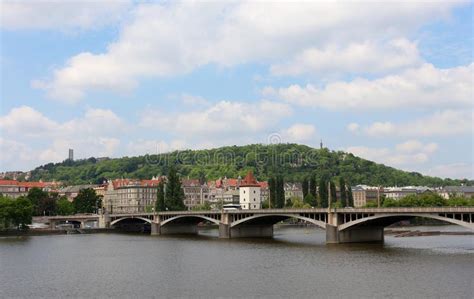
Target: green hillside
<point>291,160</point>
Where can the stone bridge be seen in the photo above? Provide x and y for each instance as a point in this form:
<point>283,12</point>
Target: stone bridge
<point>341,225</point>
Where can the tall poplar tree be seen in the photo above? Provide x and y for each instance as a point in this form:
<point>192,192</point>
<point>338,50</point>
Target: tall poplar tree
<point>305,186</point>
<point>280,192</point>
<point>174,194</point>
<point>350,199</point>
<point>323,192</point>
<point>312,186</point>
<point>272,190</point>
<point>343,192</point>
<point>160,197</point>
<point>332,189</point>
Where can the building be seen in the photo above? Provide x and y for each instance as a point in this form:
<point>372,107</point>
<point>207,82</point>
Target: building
<point>456,191</point>
<point>293,190</point>
<point>397,193</point>
<point>195,193</point>
<point>249,193</point>
<point>130,196</point>
<point>71,155</point>
<point>264,191</point>
<point>363,195</point>
<point>15,189</point>
<point>218,197</point>
<point>70,192</point>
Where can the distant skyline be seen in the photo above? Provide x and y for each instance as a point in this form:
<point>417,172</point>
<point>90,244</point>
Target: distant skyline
<point>390,82</point>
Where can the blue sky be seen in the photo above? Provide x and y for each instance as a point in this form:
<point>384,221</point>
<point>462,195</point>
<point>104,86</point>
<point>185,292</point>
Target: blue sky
<point>387,81</point>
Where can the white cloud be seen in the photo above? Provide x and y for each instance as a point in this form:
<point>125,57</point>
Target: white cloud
<point>224,117</point>
<point>15,155</point>
<point>60,15</point>
<point>405,154</point>
<point>453,170</point>
<point>411,146</point>
<point>173,38</point>
<point>30,137</point>
<point>26,121</point>
<point>299,133</point>
<point>442,123</point>
<point>425,86</point>
<point>366,57</point>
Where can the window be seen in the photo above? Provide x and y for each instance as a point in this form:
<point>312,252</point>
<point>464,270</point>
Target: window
<point>244,191</point>
<point>254,191</point>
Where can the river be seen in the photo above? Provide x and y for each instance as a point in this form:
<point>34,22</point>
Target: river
<point>295,263</point>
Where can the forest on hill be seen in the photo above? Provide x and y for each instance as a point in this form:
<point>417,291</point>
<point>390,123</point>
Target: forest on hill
<point>293,161</point>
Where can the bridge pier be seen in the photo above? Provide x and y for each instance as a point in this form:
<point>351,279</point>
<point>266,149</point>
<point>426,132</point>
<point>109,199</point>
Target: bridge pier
<point>224,231</point>
<point>364,234</point>
<point>252,231</point>
<point>245,231</point>
<point>155,229</point>
<point>178,229</point>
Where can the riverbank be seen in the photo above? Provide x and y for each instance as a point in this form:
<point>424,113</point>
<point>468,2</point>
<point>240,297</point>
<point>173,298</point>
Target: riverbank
<point>45,232</point>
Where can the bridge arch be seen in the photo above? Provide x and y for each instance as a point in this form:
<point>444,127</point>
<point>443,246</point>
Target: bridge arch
<point>189,217</point>
<point>125,218</point>
<point>388,219</point>
<point>275,218</point>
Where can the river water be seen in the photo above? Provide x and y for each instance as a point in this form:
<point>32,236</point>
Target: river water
<point>295,263</point>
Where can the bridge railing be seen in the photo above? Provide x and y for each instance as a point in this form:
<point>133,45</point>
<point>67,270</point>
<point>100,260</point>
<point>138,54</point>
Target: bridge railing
<point>408,210</point>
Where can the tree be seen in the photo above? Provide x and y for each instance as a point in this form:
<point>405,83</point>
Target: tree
<point>272,191</point>
<point>350,199</point>
<point>87,201</point>
<point>206,206</point>
<point>342,188</point>
<point>174,194</point>
<point>305,186</point>
<point>280,192</point>
<point>17,212</point>
<point>160,197</point>
<point>310,200</point>
<point>297,203</point>
<point>312,186</point>
<point>40,201</point>
<point>332,189</point>
<point>323,192</point>
<point>64,207</point>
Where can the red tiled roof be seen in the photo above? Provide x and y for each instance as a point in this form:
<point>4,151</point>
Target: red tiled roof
<point>249,181</point>
<point>263,185</point>
<point>32,184</point>
<point>8,182</point>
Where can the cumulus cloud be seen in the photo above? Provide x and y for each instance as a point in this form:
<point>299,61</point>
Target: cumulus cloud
<point>61,14</point>
<point>224,117</point>
<point>299,133</point>
<point>187,35</point>
<point>405,154</point>
<point>425,86</point>
<point>29,136</point>
<point>366,57</point>
<point>441,123</point>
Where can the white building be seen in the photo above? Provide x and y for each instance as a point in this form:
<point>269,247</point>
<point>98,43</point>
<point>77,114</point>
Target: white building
<point>249,193</point>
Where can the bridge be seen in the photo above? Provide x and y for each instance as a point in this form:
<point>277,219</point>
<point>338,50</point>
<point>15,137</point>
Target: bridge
<point>344,225</point>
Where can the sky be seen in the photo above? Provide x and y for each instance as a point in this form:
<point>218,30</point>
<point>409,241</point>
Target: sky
<point>388,81</point>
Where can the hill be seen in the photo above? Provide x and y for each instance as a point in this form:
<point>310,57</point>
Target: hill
<point>291,160</point>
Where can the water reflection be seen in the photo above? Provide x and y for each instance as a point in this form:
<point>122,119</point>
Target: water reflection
<point>295,263</point>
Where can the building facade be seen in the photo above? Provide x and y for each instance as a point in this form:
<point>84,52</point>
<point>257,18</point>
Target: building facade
<point>130,196</point>
<point>249,193</point>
